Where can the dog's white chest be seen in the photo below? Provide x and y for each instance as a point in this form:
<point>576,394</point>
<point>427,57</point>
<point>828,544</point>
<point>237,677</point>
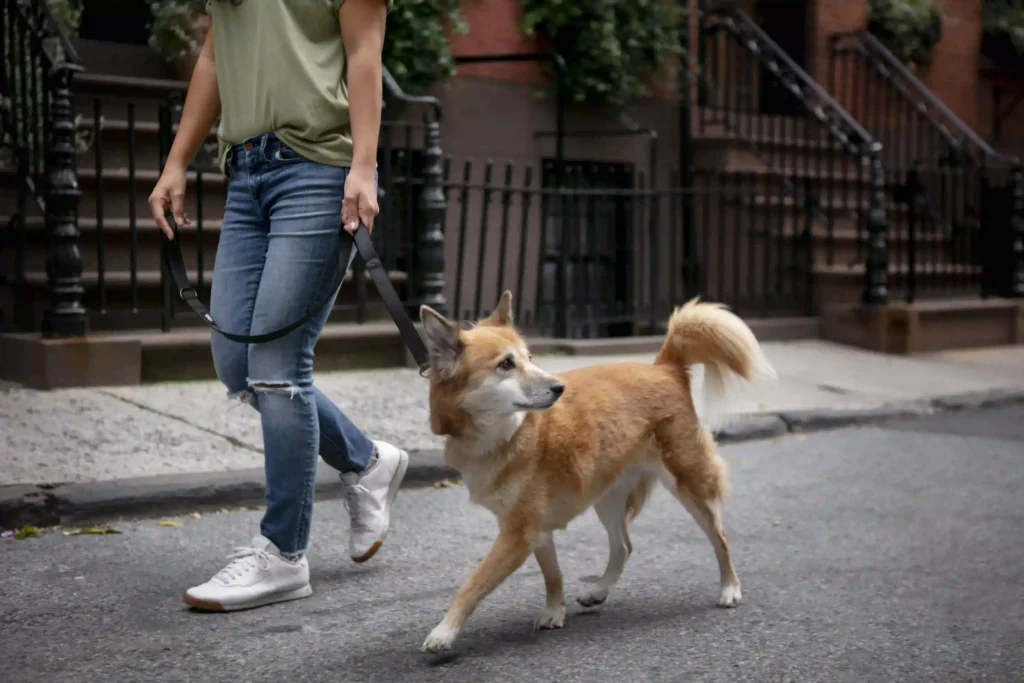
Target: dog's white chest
<point>484,492</point>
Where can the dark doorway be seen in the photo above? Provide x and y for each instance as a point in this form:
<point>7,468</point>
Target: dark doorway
<point>116,21</point>
<point>786,23</point>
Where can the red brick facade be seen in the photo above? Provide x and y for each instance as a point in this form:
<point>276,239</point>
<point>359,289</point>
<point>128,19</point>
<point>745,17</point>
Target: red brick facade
<point>954,76</point>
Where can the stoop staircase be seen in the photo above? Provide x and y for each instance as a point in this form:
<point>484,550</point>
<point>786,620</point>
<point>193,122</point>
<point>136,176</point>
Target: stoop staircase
<point>864,213</point>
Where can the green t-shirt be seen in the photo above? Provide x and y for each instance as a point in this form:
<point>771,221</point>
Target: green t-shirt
<point>281,69</point>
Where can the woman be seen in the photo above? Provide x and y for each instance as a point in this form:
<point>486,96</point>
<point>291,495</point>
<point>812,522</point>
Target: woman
<point>297,84</point>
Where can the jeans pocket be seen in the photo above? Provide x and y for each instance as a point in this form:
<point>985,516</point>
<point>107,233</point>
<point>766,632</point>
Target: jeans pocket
<point>286,153</point>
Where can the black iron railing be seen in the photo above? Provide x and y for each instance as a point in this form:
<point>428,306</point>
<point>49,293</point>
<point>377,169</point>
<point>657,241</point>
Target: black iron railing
<point>38,136</point>
<point>822,160</point>
<point>961,227</point>
<point>601,254</point>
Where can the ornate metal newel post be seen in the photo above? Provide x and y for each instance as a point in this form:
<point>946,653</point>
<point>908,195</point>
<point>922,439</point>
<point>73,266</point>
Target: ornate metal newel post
<point>1017,226</point>
<point>876,267</point>
<point>429,276</point>
<point>66,316</point>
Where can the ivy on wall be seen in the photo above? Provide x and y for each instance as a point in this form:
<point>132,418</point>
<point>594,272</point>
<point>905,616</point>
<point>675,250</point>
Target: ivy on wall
<point>416,47</point>
<point>612,49</point>
<point>1003,22</point>
<point>909,28</point>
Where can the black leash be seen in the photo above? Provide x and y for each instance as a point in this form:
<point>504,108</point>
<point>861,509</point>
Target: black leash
<point>362,242</point>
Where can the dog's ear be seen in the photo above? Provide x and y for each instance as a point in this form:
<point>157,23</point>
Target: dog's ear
<point>443,342</point>
<point>503,314</point>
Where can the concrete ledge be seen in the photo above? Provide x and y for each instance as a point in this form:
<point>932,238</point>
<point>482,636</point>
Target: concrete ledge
<point>925,326</point>
<point>816,420</point>
<point>78,362</point>
<point>49,504</point>
<point>752,427</point>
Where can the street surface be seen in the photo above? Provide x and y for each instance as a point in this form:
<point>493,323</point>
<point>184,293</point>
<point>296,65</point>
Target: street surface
<point>890,553</point>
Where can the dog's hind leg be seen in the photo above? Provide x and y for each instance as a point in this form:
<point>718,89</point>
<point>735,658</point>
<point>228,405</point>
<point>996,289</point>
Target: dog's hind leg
<point>553,615</point>
<point>697,475</point>
<point>611,510</point>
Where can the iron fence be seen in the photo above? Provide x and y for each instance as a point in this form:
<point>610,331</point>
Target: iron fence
<point>601,254</point>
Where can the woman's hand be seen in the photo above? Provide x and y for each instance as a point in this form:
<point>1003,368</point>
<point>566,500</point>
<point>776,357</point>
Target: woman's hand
<point>169,195</point>
<point>360,201</point>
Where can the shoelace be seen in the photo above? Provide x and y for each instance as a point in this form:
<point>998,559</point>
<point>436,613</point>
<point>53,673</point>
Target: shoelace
<point>354,504</point>
<point>242,560</point>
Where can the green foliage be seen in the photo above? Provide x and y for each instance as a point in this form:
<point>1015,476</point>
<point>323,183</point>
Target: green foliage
<point>173,31</point>
<point>67,13</point>
<point>1005,18</point>
<point>612,48</point>
<point>416,48</point>
<point>909,28</point>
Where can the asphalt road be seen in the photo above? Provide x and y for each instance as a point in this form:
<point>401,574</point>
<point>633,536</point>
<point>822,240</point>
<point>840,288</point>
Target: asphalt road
<point>889,553</point>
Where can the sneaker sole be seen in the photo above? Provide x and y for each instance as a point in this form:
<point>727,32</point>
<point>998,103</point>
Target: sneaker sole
<point>396,484</point>
<point>212,606</point>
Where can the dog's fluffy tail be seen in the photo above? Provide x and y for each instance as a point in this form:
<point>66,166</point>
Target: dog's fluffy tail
<point>710,335</point>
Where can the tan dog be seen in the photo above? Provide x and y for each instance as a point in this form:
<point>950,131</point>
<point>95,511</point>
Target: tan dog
<point>537,450</point>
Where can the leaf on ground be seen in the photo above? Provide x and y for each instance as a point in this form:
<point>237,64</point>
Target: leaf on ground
<point>801,437</point>
<point>445,483</point>
<point>26,532</point>
<point>7,534</point>
<point>169,522</point>
<point>193,515</point>
<point>93,531</point>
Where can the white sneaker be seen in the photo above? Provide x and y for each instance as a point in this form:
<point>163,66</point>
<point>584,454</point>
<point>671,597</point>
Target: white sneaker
<point>256,576</point>
<point>369,497</point>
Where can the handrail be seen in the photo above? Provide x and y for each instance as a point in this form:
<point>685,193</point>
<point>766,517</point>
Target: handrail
<point>394,91</point>
<point>768,52</point>
<point>872,48</point>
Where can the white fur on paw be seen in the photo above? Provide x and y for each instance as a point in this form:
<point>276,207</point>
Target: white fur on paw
<point>594,597</point>
<point>440,639</point>
<point>731,595</point>
<point>551,617</point>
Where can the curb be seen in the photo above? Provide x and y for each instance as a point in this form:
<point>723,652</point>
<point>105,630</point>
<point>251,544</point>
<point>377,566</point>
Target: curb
<point>49,504</point>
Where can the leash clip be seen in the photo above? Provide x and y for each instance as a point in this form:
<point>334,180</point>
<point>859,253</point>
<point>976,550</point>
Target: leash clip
<point>187,293</point>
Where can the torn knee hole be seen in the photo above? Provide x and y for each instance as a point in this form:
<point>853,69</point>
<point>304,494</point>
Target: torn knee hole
<point>272,387</point>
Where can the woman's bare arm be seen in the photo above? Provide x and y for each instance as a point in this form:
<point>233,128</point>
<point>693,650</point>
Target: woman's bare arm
<point>202,106</point>
<point>362,32</point>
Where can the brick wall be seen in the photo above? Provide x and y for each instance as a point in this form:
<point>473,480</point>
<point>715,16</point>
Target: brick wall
<point>494,28</point>
<point>953,77</point>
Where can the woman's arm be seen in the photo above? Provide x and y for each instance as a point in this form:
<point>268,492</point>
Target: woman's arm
<point>202,106</point>
<point>362,32</point>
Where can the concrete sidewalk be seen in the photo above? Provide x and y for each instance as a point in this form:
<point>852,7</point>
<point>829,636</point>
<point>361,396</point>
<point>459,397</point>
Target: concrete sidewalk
<point>170,433</point>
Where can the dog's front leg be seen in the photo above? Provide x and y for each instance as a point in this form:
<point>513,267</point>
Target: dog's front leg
<point>510,550</point>
<point>553,615</point>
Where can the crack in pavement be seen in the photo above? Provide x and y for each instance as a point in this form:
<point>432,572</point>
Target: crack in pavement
<point>233,440</point>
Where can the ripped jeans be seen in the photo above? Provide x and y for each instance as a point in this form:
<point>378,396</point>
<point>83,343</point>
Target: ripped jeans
<point>277,256</point>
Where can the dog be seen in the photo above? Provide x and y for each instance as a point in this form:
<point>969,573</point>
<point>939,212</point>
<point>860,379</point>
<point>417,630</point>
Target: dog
<point>538,449</point>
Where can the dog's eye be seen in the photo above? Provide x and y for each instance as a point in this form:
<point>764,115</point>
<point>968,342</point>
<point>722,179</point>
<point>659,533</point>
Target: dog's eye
<point>507,364</point>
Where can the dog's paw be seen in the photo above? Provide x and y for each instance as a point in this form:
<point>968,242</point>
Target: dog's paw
<point>593,598</point>
<point>731,595</point>
<point>440,639</point>
<point>551,617</point>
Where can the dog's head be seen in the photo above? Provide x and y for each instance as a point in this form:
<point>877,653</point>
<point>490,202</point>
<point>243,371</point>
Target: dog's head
<point>484,371</point>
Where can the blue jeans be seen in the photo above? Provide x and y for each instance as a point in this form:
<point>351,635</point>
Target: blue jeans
<point>277,257</point>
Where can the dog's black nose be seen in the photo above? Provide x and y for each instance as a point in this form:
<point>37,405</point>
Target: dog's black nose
<point>557,389</point>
